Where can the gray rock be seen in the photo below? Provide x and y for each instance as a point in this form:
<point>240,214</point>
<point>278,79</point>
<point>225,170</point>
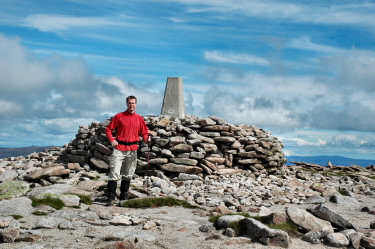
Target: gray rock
<point>52,171</point>
<point>334,218</point>
<point>186,177</point>
<point>186,161</point>
<point>99,164</point>
<point>225,220</point>
<point>166,153</point>
<point>230,232</point>
<point>257,230</point>
<point>345,201</point>
<point>355,239</point>
<point>159,161</point>
<point>66,225</point>
<point>306,220</point>
<point>8,175</point>
<point>9,235</point>
<point>48,222</point>
<point>17,206</point>
<point>70,200</point>
<point>315,236</point>
<point>206,227</point>
<point>56,189</point>
<point>337,240</point>
<point>227,140</point>
<point>315,199</point>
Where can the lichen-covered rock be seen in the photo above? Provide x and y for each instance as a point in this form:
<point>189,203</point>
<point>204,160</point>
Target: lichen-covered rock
<point>12,189</point>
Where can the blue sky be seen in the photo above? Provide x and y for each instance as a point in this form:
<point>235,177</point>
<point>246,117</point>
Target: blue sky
<point>304,70</point>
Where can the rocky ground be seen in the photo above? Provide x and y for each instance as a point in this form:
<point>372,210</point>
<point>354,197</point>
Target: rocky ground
<point>331,207</point>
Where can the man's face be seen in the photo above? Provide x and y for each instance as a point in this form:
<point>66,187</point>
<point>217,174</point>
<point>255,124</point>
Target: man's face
<point>131,105</point>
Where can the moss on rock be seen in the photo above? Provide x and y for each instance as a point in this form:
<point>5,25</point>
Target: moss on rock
<point>12,189</point>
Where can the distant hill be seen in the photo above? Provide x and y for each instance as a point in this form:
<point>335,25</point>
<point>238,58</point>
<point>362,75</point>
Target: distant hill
<point>13,152</point>
<point>335,160</point>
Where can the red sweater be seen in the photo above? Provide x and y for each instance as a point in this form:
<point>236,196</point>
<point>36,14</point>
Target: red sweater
<point>129,126</point>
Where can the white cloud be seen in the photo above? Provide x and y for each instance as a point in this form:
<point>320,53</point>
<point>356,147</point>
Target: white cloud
<point>357,13</point>
<point>53,95</point>
<point>218,56</point>
<point>305,43</point>
<point>56,23</point>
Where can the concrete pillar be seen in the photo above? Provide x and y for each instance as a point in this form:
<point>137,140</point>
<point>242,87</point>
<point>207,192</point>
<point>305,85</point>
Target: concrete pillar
<point>173,103</point>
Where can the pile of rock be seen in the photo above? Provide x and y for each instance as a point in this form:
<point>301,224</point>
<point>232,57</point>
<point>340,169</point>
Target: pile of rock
<point>193,145</point>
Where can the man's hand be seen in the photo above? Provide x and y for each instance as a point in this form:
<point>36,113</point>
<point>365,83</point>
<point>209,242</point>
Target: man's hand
<point>114,143</point>
<point>148,140</point>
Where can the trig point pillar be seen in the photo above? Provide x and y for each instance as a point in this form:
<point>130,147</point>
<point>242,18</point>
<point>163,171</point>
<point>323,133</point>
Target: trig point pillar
<point>173,103</point>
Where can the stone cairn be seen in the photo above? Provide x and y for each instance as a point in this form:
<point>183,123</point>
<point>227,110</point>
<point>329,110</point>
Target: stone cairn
<point>202,146</point>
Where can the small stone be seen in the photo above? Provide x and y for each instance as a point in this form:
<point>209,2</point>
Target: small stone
<point>230,232</point>
<point>148,225</point>
<point>337,240</point>
<point>206,227</point>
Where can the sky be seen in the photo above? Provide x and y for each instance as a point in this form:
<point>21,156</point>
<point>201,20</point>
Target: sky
<point>303,70</point>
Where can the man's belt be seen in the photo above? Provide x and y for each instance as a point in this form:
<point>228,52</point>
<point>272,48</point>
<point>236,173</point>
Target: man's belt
<point>126,143</point>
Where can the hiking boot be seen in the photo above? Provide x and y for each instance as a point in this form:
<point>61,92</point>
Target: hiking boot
<point>111,193</point>
<point>125,184</point>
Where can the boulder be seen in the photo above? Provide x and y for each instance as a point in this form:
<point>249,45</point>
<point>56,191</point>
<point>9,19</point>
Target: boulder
<point>334,218</point>
<point>307,221</point>
<point>258,231</point>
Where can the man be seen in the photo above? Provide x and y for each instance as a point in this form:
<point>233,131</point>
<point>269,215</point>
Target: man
<point>128,127</point>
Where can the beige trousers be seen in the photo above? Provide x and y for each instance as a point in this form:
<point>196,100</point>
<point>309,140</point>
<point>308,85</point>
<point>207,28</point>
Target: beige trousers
<point>122,165</point>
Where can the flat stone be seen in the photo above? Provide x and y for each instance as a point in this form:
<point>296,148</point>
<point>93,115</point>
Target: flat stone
<point>159,161</point>
<point>307,221</point>
<point>334,218</point>
<point>99,164</point>
<point>103,149</point>
<point>216,128</point>
<point>345,201</point>
<point>148,225</point>
<point>16,206</point>
<point>186,161</point>
<point>52,171</point>
<point>201,138</point>
<point>70,200</point>
<point>337,240</point>
<point>187,177</point>
<point>315,236</point>
<point>9,235</point>
<point>225,220</point>
<point>315,199</point>
<point>355,239</point>
<point>56,189</point>
<point>121,220</point>
<point>226,140</point>
<point>181,148</point>
<point>48,222</point>
<point>208,147</point>
<point>273,237</point>
<point>179,168</point>
<point>206,121</point>
<point>8,175</point>
<point>75,158</point>
<point>176,140</point>
<point>207,227</point>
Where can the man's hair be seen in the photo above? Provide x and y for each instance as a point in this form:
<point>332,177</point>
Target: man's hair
<point>131,97</point>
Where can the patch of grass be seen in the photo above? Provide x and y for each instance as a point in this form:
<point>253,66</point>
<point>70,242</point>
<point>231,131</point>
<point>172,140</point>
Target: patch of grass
<point>342,192</point>
<point>156,202</point>
<point>48,200</point>
<point>239,227</point>
<point>39,213</point>
<point>84,199</point>
<point>371,177</point>
<point>16,216</point>
<point>290,227</point>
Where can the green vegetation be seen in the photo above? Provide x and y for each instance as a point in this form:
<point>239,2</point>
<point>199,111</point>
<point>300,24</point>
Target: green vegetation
<point>16,216</point>
<point>156,202</point>
<point>48,200</point>
<point>39,213</point>
<point>84,199</point>
<point>11,189</point>
<point>290,227</point>
<point>342,192</point>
